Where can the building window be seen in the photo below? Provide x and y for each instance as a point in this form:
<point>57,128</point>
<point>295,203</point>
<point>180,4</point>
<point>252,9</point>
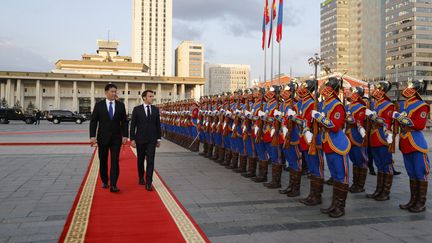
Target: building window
<point>25,90</point>
<point>43,90</point>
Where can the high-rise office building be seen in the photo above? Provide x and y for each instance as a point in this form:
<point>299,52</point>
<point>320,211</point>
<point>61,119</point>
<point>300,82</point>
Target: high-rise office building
<point>189,60</point>
<point>152,35</point>
<point>352,37</point>
<point>408,40</point>
<point>226,77</point>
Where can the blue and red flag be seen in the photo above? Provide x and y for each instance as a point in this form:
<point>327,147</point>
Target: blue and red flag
<point>273,16</point>
<point>280,22</point>
<point>266,19</point>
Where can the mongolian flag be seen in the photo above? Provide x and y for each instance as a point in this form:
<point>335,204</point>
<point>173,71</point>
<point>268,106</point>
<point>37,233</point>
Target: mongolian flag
<point>273,14</point>
<point>266,19</point>
<point>279,23</point>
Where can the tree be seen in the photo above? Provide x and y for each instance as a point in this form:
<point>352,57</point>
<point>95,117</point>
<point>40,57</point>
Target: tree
<point>17,105</point>
<point>30,107</point>
<point>4,103</point>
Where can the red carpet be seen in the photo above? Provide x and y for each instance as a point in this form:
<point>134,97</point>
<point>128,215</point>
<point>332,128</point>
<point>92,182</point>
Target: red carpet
<point>133,215</point>
<point>43,132</point>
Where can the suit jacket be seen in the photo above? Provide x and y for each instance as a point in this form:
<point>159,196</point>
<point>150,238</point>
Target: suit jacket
<point>107,129</point>
<point>145,129</point>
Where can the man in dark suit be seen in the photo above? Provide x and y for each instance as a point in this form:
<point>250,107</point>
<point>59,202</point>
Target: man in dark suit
<point>110,120</point>
<point>145,135</point>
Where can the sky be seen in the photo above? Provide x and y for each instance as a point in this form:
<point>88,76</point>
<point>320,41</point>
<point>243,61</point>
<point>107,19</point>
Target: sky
<point>35,34</point>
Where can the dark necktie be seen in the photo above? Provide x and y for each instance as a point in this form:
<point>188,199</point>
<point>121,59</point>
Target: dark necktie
<point>111,111</point>
<point>148,110</point>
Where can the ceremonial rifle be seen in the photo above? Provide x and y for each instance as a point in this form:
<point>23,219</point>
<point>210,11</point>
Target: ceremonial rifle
<point>392,146</point>
<point>313,146</point>
<point>290,125</point>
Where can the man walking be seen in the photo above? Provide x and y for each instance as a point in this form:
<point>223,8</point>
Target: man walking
<point>110,120</point>
<point>145,135</point>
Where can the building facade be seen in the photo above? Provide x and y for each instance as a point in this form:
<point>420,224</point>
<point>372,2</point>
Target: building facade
<point>352,37</point>
<point>226,78</point>
<point>189,60</point>
<point>409,41</point>
<point>152,35</point>
<point>79,92</point>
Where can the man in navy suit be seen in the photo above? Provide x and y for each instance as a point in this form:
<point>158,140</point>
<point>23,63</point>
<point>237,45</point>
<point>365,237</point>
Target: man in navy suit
<point>110,120</point>
<point>145,135</point>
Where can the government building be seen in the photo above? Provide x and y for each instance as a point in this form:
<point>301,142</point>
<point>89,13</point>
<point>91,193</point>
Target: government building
<point>77,85</point>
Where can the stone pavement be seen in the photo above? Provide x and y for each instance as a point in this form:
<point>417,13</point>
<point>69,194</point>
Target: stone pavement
<point>38,187</point>
<point>39,184</point>
<point>230,208</point>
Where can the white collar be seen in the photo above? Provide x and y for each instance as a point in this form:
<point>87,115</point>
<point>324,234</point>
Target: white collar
<point>108,101</point>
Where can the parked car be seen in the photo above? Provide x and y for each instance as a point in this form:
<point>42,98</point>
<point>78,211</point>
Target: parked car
<point>57,116</point>
<point>11,114</point>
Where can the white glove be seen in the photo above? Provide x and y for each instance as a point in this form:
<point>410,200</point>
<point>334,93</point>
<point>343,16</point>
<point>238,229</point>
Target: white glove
<point>291,112</point>
<point>247,113</point>
<point>369,112</point>
<point>224,125</point>
<point>314,112</point>
<point>237,111</point>
<point>198,121</point>
<point>309,136</point>
<point>228,113</point>
<point>362,132</point>
<point>395,114</point>
<point>272,132</point>
<point>261,114</point>
<point>285,131</point>
<point>233,127</point>
<point>389,138</point>
<point>277,113</point>
<point>256,129</point>
<point>244,129</point>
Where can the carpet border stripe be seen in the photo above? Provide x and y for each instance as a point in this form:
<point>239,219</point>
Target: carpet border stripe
<point>185,223</point>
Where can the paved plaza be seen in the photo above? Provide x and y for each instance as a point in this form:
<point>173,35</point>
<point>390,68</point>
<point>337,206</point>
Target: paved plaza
<point>39,184</point>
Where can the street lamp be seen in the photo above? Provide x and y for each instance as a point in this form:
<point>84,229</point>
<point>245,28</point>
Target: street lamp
<point>316,61</point>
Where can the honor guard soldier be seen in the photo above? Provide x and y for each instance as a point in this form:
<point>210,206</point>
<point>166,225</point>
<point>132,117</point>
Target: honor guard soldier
<point>257,136</point>
<point>381,137</point>
<point>412,117</point>
<point>237,135</point>
<point>356,117</point>
<point>335,144</point>
<point>249,154</point>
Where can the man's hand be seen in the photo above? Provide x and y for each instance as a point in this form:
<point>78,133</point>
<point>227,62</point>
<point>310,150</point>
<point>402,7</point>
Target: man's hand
<point>93,141</point>
<point>133,144</point>
<point>158,143</point>
<point>124,140</point>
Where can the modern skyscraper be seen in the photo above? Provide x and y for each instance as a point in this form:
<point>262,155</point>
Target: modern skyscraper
<point>408,40</point>
<point>352,37</point>
<point>189,60</point>
<point>152,35</point>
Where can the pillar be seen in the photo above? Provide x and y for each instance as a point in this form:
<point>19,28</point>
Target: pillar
<point>202,90</point>
<point>56,95</point>
<point>38,95</point>
<point>19,92</point>
<point>197,92</point>
<point>92,95</point>
<point>75,97</point>
<point>12,94</point>
<point>182,92</point>
<point>174,92</point>
<point>159,93</point>
<point>143,87</point>
<point>126,98</point>
<point>8,93</point>
<point>2,91</point>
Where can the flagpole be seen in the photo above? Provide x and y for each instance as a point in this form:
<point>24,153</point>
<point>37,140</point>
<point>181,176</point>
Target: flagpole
<point>265,64</point>
<point>272,44</point>
<point>280,62</point>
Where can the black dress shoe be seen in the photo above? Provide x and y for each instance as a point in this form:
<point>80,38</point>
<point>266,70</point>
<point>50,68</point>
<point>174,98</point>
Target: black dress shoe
<point>114,189</point>
<point>105,186</point>
<point>141,181</point>
<point>149,188</point>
